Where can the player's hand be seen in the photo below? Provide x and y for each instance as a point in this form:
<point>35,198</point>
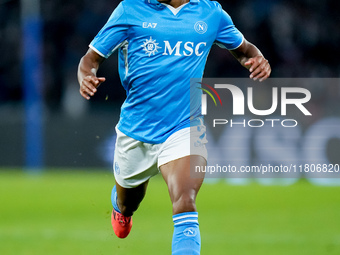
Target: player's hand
<point>259,68</point>
<point>89,85</point>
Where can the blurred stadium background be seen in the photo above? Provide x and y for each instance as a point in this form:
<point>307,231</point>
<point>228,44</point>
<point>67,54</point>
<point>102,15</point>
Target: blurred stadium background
<point>56,148</point>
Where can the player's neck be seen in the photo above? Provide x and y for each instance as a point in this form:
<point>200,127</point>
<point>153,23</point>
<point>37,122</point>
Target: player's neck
<point>174,3</point>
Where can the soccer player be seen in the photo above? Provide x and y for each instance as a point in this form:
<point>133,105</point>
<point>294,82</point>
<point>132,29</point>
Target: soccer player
<point>162,45</point>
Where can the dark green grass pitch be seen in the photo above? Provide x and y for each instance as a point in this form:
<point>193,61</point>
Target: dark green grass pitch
<point>69,213</point>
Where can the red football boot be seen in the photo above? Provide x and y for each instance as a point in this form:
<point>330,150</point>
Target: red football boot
<point>121,225</point>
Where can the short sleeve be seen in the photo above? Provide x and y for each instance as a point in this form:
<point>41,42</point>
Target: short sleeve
<point>112,35</point>
<point>228,36</point>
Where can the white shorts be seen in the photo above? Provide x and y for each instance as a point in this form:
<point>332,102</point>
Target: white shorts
<point>135,162</point>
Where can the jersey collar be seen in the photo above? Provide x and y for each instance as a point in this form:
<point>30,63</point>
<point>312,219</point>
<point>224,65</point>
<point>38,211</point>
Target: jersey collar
<point>155,2</point>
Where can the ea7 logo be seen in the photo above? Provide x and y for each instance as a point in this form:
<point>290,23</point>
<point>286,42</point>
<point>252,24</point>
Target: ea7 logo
<point>149,25</point>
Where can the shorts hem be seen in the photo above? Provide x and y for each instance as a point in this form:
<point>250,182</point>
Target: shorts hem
<point>126,184</point>
<point>165,161</point>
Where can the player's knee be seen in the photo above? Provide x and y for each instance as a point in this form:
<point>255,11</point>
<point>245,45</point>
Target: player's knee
<point>184,203</point>
<point>127,209</point>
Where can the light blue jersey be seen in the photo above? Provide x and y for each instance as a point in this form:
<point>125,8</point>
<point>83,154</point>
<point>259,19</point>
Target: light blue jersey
<point>160,49</point>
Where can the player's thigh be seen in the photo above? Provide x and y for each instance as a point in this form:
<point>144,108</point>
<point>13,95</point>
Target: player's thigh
<point>180,178</point>
<point>134,163</point>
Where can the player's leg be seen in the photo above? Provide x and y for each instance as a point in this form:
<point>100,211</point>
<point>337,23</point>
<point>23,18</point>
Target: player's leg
<point>125,202</point>
<point>128,199</point>
<point>134,164</point>
<point>182,187</point>
<point>183,190</point>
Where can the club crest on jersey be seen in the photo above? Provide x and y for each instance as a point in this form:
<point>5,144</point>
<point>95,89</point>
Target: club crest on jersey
<point>201,27</point>
<point>150,46</point>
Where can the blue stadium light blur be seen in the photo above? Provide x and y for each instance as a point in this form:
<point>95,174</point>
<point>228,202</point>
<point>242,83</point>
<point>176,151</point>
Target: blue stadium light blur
<point>32,83</point>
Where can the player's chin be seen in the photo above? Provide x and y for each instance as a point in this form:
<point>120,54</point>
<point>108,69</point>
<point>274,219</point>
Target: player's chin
<point>164,1</point>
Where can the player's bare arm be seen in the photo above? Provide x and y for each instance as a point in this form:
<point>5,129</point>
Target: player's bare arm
<point>251,58</point>
<point>87,73</point>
